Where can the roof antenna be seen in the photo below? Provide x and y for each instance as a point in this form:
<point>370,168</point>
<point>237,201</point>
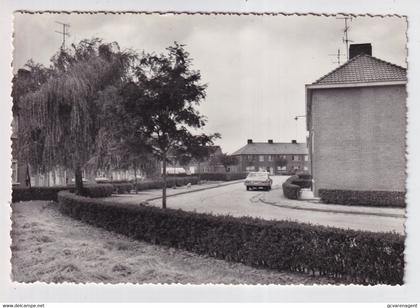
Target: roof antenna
<point>65,33</point>
<point>338,55</point>
<point>346,33</point>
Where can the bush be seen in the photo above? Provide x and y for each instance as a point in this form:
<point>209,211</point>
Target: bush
<point>98,190</point>
<point>36,193</point>
<point>369,198</point>
<point>294,184</point>
<point>356,256</point>
<point>50,193</point>
<point>170,182</point>
<point>122,188</point>
<point>290,190</point>
<point>223,176</point>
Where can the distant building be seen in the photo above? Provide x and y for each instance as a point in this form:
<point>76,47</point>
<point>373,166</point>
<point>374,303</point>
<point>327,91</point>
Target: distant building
<point>274,157</point>
<point>356,118</point>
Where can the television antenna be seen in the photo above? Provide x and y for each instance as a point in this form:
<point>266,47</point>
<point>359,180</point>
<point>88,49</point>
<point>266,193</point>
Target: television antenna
<point>338,55</point>
<point>346,33</point>
<point>65,32</point>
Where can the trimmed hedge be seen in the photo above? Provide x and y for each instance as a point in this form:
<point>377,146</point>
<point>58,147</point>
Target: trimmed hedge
<point>349,255</point>
<point>50,193</point>
<point>369,198</point>
<point>170,182</point>
<point>223,176</point>
<point>36,193</point>
<point>98,190</point>
<point>294,184</point>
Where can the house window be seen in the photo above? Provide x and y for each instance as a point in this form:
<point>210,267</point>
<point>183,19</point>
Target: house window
<point>250,158</point>
<point>295,157</point>
<point>305,168</point>
<point>261,157</point>
<point>250,168</point>
<point>281,168</point>
<point>14,171</point>
<point>306,157</point>
<point>295,167</point>
<point>270,158</point>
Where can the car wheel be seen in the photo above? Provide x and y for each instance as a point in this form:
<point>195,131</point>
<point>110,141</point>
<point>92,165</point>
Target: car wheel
<point>247,188</point>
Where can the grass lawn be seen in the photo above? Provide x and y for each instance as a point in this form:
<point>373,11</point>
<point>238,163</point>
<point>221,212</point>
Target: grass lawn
<point>50,247</point>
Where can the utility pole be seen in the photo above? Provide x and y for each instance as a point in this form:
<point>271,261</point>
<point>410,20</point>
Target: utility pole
<point>346,33</point>
<point>338,55</point>
<point>64,32</point>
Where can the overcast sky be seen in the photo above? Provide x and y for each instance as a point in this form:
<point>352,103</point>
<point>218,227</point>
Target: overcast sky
<point>256,67</point>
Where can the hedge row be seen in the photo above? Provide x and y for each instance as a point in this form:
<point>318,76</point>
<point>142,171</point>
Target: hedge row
<point>36,193</point>
<point>349,255</point>
<point>170,182</point>
<point>126,186</point>
<point>369,198</point>
<point>50,193</point>
<point>294,184</point>
<point>223,176</point>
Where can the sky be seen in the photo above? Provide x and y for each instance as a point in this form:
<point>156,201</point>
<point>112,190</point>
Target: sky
<point>255,67</point>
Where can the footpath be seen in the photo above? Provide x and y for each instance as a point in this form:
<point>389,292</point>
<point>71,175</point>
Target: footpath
<point>156,194</point>
<point>276,198</point>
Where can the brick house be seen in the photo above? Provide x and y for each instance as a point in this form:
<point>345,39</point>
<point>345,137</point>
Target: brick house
<point>266,156</point>
<point>356,118</point>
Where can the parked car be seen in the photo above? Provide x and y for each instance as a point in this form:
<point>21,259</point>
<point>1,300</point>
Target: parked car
<point>258,180</point>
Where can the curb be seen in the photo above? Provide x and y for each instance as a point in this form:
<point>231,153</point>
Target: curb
<point>297,207</point>
<point>196,190</point>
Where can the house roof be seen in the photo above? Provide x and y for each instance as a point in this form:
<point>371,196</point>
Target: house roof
<point>363,69</point>
<point>259,148</point>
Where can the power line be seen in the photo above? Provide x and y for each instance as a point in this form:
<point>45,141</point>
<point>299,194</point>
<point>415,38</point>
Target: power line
<point>64,33</point>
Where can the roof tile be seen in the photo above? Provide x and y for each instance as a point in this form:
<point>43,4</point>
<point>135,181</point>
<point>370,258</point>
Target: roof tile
<point>260,148</point>
<point>364,69</point>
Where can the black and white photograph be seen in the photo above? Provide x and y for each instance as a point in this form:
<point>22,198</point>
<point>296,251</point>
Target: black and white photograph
<point>247,152</point>
<point>209,148</point>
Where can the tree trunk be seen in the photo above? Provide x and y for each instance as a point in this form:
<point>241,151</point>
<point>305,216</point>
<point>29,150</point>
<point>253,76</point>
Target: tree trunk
<point>135,178</point>
<point>199,174</point>
<point>78,179</point>
<point>164,181</point>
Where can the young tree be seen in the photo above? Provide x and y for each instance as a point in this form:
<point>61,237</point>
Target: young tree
<point>280,162</point>
<point>163,103</point>
<point>228,160</point>
<point>61,118</point>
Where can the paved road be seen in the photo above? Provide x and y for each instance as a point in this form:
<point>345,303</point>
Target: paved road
<point>236,201</point>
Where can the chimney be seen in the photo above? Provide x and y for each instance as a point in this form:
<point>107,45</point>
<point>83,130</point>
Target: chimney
<point>249,141</point>
<point>270,141</point>
<point>294,141</point>
<point>357,49</point>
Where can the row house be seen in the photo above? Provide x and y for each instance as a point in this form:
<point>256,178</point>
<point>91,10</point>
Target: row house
<point>273,157</point>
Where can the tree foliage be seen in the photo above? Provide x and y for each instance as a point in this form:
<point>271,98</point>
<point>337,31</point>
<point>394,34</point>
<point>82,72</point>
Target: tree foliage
<point>60,119</point>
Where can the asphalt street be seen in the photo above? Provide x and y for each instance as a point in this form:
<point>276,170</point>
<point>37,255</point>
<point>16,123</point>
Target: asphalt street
<point>236,201</point>
<point>233,199</point>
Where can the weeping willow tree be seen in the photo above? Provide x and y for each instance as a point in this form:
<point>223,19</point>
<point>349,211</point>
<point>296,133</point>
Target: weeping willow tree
<point>61,120</point>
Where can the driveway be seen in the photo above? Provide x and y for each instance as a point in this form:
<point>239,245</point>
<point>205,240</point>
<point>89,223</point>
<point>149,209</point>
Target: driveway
<point>233,199</point>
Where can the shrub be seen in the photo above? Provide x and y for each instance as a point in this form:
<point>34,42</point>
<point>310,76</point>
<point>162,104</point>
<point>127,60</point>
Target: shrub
<point>170,182</point>
<point>50,193</point>
<point>36,193</point>
<point>290,190</point>
<point>356,256</point>
<point>369,198</point>
<point>223,176</point>
<point>121,188</point>
<point>98,190</point>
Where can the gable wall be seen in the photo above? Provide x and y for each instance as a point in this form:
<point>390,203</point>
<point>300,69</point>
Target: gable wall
<point>359,138</point>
